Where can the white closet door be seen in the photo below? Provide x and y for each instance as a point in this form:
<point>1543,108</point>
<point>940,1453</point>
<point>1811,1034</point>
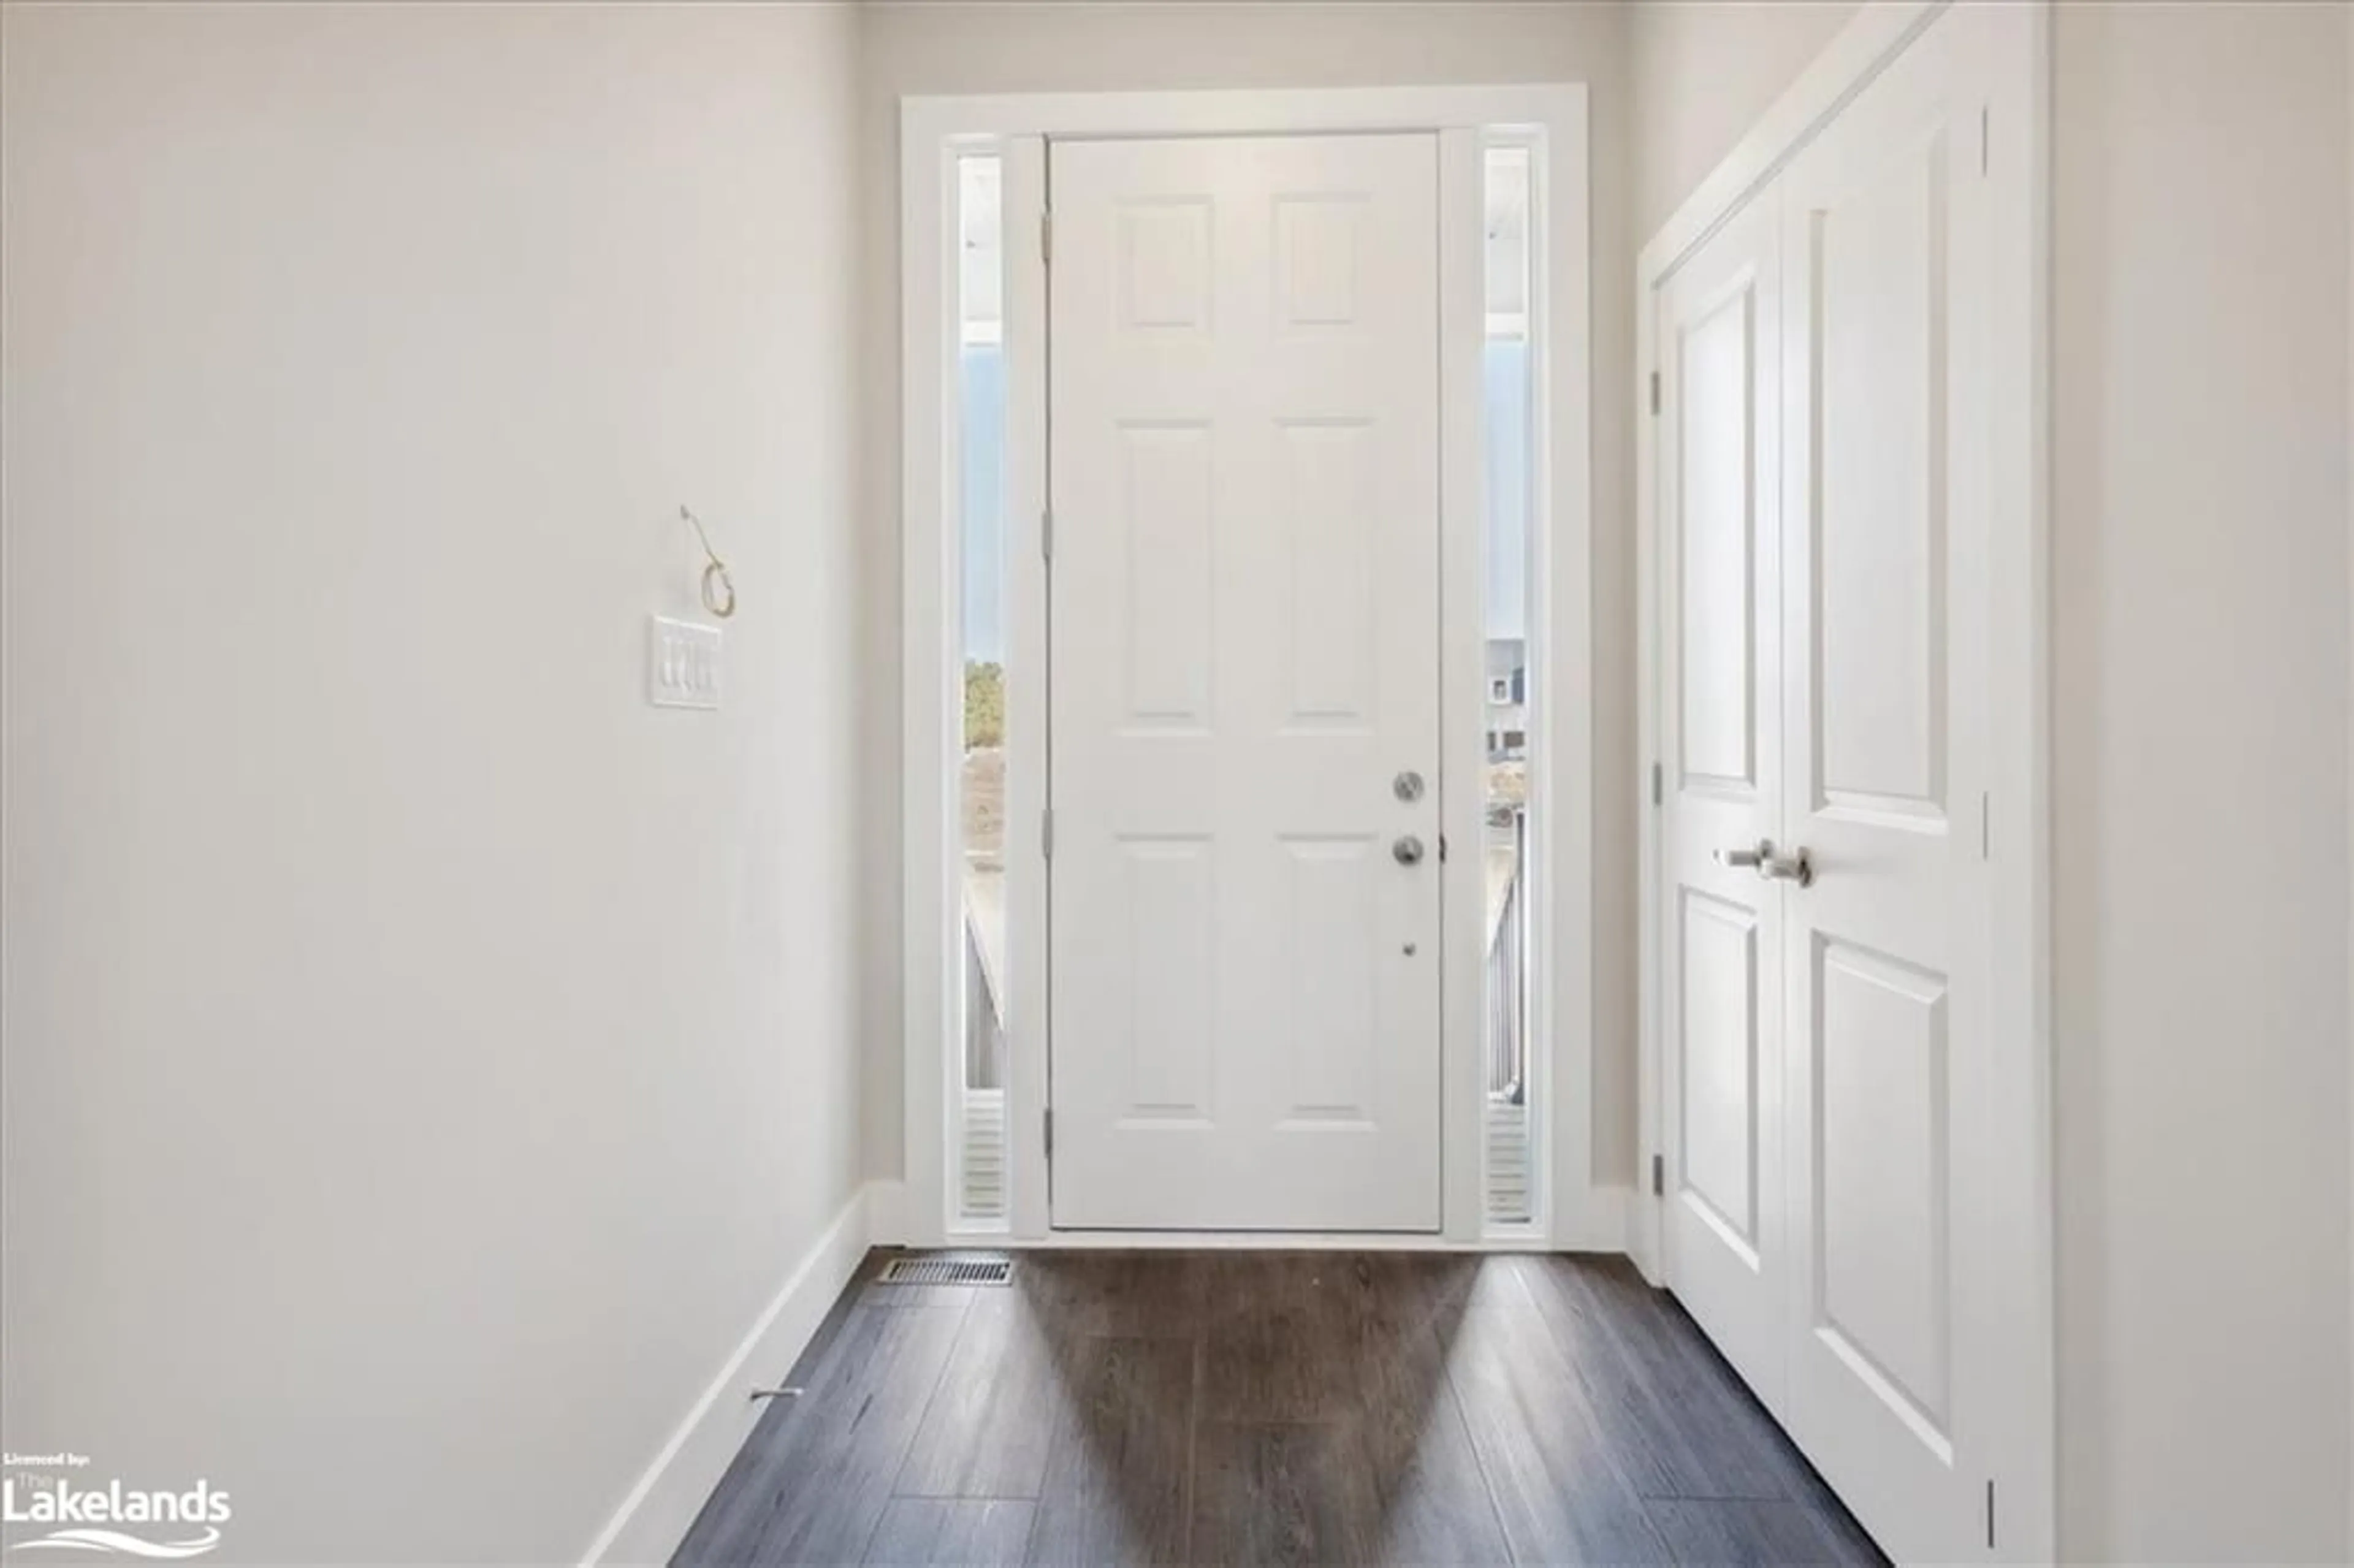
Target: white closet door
<point>1719,460</point>
<point>1244,631</point>
<point>1884,618</point>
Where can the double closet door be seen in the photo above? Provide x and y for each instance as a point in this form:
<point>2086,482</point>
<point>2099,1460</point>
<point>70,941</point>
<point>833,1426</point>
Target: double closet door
<point>1822,458</point>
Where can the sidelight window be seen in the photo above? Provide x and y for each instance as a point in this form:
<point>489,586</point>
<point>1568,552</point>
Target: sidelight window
<point>979,1152</point>
<point>1508,396</point>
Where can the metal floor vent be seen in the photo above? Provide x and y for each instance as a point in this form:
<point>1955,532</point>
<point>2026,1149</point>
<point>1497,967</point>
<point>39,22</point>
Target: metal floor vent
<point>948,1268</point>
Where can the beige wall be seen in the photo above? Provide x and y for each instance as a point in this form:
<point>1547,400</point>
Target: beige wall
<point>424,1060</point>
<point>2201,788</point>
<point>987,47</point>
<point>1704,72</point>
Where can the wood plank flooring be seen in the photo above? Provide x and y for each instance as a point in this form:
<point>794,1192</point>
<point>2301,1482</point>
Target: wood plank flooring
<point>1165,1407</point>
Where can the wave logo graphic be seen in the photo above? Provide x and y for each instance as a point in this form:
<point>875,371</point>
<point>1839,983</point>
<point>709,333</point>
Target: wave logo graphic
<point>116,1542</point>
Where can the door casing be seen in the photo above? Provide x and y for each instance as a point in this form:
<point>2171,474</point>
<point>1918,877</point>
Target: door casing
<point>1575,1211</point>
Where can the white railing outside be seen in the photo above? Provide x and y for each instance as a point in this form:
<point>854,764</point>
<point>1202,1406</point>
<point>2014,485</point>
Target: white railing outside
<point>1507,965</point>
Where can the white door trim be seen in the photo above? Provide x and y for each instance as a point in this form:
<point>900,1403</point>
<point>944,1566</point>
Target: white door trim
<point>2020,816</point>
<point>1577,1212</point>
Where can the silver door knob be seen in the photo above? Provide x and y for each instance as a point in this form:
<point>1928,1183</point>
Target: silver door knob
<point>1407,850</point>
<point>1746,859</point>
<point>1769,864</point>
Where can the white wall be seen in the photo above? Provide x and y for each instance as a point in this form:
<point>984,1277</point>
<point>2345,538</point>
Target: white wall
<point>991,48</point>
<point>423,1060</point>
<point>2200,504</point>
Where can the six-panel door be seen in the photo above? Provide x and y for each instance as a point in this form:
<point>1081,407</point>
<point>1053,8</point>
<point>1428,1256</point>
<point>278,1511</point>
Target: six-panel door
<point>1243,468</point>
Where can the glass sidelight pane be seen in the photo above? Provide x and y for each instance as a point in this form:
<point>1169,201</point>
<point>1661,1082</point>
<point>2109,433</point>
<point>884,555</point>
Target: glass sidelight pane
<point>981,394</point>
<point>1509,396</point>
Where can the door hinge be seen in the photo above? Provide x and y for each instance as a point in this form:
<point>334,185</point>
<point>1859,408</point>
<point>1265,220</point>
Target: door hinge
<point>1658,784</point>
<point>1046,235</point>
<point>1986,136</point>
<point>1047,833</point>
<point>1046,534</point>
<point>1986,826</point>
<point>1989,1516</point>
<point>1659,1175</point>
<point>1655,391</point>
<point>1048,1117</point>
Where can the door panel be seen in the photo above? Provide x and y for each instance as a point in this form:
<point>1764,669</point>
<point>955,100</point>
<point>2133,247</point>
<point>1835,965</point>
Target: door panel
<point>1885,614</point>
<point>1163,520</point>
<point>1876,280</point>
<point>1882,1117</point>
<point>1720,505</point>
<point>1719,367</point>
<point>1245,640</point>
<point>1168,945</point>
<point>1720,1068</point>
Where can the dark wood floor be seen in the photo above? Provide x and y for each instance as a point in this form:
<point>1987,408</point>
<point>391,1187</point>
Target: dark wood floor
<point>1270,1407</point>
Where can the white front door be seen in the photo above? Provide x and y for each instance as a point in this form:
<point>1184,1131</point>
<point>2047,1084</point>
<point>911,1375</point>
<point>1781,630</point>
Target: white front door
<point>1244,481</point>
<point>1719,462</point>
<point>1885,262</point>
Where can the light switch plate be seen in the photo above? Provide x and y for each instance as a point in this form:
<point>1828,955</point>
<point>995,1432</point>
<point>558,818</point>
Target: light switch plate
<point>681,664</point>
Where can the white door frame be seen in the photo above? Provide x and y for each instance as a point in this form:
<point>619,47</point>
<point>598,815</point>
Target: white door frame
<point>1574,1211</point>
<point>2018,810</point>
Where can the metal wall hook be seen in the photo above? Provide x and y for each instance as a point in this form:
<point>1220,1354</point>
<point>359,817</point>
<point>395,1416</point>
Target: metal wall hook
<point>719,588</point>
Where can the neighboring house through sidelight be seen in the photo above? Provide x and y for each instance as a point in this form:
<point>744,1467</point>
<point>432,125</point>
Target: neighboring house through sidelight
<point>1506,721</point>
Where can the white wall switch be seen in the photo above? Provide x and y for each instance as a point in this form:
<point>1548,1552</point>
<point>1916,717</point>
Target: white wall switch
<point>681,664</point>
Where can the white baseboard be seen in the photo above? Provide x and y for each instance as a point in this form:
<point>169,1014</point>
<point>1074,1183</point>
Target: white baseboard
<point>654,1519</point>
